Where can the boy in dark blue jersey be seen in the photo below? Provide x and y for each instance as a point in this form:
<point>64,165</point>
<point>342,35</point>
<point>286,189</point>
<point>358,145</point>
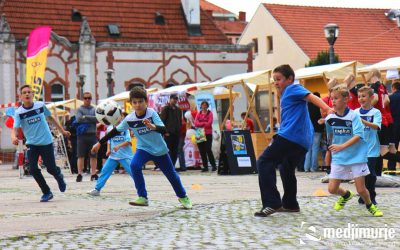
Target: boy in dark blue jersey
<point>289,145</point>
<point>147,128</point>
<point>31,117</point>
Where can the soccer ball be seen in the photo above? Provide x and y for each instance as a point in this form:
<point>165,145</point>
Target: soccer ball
<point>108,112</point>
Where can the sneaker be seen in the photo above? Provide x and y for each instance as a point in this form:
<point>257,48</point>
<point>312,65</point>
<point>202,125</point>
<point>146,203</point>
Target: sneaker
<point>214,169</point>
<point>46,197</point>
<point>204,170</point>
<point>61,184</point>
<point>79,178</point>
<point>94,177</point>
<point>288,210</point>
<point>265,212</point>
<point>94,192</point>
<point>139,201</point>
<point>374,210</point>
<point>342,201</point>
<point>186,202</point>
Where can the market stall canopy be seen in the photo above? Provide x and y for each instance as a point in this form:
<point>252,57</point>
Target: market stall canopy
<point>183,88</point>
<point>72,104</point>
<point>59,112</point>
<point>336,70</point>
<point>124,96</point>
<point>388,64</point>
<point>256,77</point>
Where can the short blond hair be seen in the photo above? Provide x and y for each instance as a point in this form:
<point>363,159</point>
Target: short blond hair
<point>341,89</point>
<point>366,89</point>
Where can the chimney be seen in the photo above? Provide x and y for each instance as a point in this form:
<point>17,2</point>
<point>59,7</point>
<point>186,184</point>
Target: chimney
<point>242,16</point>
<point>191,9</point>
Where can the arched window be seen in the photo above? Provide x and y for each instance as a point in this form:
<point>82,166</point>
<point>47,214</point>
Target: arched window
<point>57,92</point>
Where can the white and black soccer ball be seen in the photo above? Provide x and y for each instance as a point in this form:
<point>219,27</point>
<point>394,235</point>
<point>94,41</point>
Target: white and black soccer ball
<point>108,112</point>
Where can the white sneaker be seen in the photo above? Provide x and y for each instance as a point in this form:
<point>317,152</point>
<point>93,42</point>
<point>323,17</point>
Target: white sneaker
<point>94,192</point>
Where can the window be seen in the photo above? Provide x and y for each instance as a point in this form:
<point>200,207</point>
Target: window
<point>255,48</point>
<point>113,29</point>
<point>262,108</point>
<point>57,92</point>
<point>270,44</point>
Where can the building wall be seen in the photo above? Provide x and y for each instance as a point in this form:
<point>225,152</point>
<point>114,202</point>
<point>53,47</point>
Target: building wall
<point>152,67</point>
<point>285,50</point>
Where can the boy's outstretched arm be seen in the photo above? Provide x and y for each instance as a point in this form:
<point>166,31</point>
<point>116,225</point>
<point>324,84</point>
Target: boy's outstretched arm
<point>319,103</point>
<point>340,147</point>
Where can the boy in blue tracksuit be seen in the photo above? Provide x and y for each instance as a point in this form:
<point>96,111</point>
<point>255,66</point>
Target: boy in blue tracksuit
<point>349,151</point>
<point>119,151</point>
<point>147,128</point>
<point>31,116</point>
<point>289,145</point>
<point>371,119</point>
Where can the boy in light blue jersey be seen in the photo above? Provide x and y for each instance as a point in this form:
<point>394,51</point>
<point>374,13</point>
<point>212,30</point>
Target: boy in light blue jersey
<point>371,119</point>
<point>32,117</point>
<point>119,150</point>
<point>349,151</point>
<point>147,128</point>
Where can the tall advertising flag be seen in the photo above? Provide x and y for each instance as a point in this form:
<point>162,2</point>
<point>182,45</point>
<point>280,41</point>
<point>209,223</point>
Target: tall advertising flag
<point>36,58</point>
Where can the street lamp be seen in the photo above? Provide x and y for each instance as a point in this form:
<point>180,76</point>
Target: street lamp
<point>81,83</point>
<point>331,34</point>
<point>109,73</point>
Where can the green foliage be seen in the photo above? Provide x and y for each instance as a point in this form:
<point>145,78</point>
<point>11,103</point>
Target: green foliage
<point>322,59</point>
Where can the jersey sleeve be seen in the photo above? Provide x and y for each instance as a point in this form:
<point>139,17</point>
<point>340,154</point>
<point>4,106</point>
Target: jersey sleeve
<point>17,121</point>
<point>358,127</point>
<point>46,111</point>
<point>127,136</point>
<point>123,125</point>
<point>157,120</point>
<point>378,118</point>
<point>299,92</point>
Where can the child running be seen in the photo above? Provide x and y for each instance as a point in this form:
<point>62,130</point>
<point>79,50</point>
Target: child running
<point>147,127</point>
<point>349,151</point>
<point>372,119</point>
<point>119,151</point>
<point>31,117</point>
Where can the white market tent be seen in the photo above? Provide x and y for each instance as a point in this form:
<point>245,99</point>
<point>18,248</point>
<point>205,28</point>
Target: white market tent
<point>72,104</point>
<point>336,70</point>
<point>258,78</point>
<point>124,96</point>
<point>392,63</point>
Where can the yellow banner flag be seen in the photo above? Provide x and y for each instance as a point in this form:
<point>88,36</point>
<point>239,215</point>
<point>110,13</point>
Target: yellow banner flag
<point>36,59</point>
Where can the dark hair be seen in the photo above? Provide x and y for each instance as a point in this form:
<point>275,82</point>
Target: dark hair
<point>24,86</point>
<point>125,114</point>
<point>285,70</point>
<point>317,94</point>
<point>396,85</point>
<point>208,105</point>
<point>243,114</point>
<point>138,93</point>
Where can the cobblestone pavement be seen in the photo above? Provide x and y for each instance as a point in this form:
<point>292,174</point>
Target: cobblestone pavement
<point>222,217</point>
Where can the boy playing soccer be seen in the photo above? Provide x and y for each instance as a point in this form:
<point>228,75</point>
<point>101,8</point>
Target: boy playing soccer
<point>349,151</point>
<point>371,118</point>
<point>118,151</point>
<point>31,117</point>
<point>289,146</point>
<point>147,127</point>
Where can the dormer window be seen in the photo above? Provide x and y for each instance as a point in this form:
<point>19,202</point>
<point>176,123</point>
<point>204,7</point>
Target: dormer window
<point>113,29</point>
<point>159,18</point>
<point>76,15</point>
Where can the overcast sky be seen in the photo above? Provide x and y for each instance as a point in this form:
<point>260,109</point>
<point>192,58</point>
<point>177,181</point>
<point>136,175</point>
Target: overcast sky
<point>250,6</point>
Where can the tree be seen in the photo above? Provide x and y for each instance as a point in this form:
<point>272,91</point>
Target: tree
<point>322,59</point>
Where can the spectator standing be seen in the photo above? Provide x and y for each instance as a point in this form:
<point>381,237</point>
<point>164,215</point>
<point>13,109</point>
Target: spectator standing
<point>70,126</point>
<point>204,119</point>
<point>395,109</point>
<point>311,161</point>
<point>171,115</point>
<point>249,122</point>
<point>86,136</point>
<point>181,152</point>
